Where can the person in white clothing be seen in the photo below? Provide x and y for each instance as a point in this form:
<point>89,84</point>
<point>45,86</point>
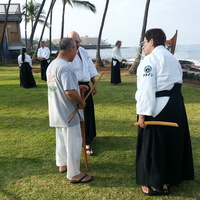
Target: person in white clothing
<point>86,72</point>
<point>116,62</point>
<point>43,55</point>
<point>163,154</point>
<point>63,99</point>
<point>26,76</point>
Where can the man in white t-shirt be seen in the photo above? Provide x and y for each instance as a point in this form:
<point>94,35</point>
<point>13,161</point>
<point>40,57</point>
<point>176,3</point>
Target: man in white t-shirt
<point>63,100</point>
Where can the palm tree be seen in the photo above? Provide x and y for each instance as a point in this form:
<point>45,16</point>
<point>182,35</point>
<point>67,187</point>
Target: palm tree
<point>50,29</point>
<point>98,56</point>
<point>31,10</point>
<point>85,4</point>
<point>4,31</point>
<point>50,10</point>
<point>36,20</point>
<point>134,66</point>
<point>26,25</point>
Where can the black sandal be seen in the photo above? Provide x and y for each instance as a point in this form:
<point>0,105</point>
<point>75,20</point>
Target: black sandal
<point>89,151</point>
<point>166,189</point>
<point>153,191</point>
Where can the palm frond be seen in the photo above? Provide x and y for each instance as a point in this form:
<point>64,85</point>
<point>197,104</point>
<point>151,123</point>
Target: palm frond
<point>85,4</point>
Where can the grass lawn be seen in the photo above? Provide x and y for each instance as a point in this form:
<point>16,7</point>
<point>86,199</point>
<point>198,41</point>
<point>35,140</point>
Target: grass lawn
<point>27,144</point>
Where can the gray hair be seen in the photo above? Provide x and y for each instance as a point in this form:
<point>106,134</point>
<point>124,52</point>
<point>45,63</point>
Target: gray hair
<point>66,43</point>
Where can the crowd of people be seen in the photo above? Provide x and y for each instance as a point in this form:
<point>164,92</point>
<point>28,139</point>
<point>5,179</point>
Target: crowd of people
<point>163,154</point>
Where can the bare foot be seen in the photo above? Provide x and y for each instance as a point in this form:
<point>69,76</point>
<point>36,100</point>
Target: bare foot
<point>145,189</point>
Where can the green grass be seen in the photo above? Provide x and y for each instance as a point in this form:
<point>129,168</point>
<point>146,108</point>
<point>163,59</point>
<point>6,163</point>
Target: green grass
<point>27,144</point>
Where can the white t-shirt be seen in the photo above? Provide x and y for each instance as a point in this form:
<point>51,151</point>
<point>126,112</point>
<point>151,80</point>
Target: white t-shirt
<point>159,71</point>
<point>60,77</point>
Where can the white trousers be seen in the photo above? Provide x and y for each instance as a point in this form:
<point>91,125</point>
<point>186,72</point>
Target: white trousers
<point>68,149</point>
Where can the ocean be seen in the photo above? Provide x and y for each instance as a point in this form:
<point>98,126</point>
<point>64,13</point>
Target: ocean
<point>182,52</point>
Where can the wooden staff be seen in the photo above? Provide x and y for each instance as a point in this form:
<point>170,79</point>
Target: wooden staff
<point>157,123</point>
<point>132,61</point>
<point>84,138</point>
<point>72,116</point>
<point>139,53</point>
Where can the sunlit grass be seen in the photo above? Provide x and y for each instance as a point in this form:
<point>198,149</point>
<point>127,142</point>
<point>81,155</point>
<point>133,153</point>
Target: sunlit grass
<point>27,144</point>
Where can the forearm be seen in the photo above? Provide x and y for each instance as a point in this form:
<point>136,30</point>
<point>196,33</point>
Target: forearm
<point>93,80</point>
<point>95,88</point>
<point>74,96</point>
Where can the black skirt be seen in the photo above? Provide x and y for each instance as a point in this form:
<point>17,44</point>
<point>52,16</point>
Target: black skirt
<point>115,72</point>
<point>164,154</point>
<point>26,77</point>
<point>90,127</point>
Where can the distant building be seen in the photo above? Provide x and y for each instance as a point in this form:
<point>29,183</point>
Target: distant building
<point>88,42</point>
<point>56,42</point>
<point>91,43</point>
<point>12,43</point>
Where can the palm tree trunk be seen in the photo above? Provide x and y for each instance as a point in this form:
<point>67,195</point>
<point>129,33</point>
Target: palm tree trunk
<point>63,20</point>
<point>34,26</point>
<point>133,68</point>
<point>99,62</point>
<point>26,25</point>
<point>50,29</point>
<point>42,33</point>
<point>4,31</point>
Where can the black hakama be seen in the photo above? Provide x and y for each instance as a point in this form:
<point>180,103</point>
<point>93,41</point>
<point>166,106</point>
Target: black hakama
<point>115,72</point>
<point>164,154</point>
<point>44,65</point>
<point>26,77</point>
<point>90,127</point>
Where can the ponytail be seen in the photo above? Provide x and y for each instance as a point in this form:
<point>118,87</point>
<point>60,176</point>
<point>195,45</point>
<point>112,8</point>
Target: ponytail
<point>23,54</point>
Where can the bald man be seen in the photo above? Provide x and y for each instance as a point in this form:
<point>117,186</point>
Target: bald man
<point>85,72</point>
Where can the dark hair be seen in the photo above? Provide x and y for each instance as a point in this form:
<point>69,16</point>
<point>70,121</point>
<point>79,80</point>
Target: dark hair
<point>65,43</point>
<point>23,54</point>
<point>157,35</point>
<point>118,41</point>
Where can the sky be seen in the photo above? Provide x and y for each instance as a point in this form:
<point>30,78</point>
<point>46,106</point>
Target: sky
<point>124,20</point>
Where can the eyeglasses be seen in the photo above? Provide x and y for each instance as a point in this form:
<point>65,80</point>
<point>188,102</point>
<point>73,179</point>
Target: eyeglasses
<point>77,42</point>
<point>144,42</point>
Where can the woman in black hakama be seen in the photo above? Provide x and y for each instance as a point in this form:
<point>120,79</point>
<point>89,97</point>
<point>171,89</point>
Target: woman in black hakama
<point>164,154</point>
<point>26,77</point>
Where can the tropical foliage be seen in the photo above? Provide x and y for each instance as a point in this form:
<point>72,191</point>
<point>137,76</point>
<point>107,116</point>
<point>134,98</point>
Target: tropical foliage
<point>72,3</point>
<point>31,10</point>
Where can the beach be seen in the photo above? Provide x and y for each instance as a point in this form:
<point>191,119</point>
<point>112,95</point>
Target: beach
<point>182,52</point>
